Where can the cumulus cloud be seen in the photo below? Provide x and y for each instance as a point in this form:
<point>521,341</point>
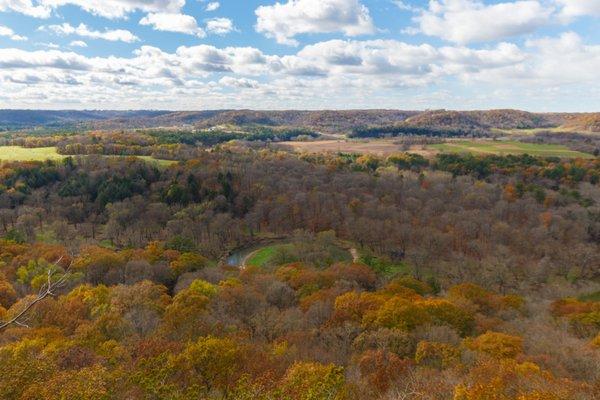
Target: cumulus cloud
<point>565,59</point>
<point>578,8</point>
<point>467,21</point>
<point>219,26</point>
<point>284,21</point>
<point>104,8</point>
<point>212,6</point>
<point>352,71</point>
<point>341,59</point>
<point>179,23</point>
<point>403,5</point>
<point>26,7</point>
<point>394,63</point>
<point>116,8</point>
<point>240,83</point>
<point>117,35</point>
<point>21,59</point>
<point>9,33</point>
<point>78,43</point>
<point>48,45</point>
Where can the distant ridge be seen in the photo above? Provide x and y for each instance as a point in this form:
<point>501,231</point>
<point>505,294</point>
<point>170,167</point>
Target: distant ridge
<point>33,118</point>
<point>325,120</point>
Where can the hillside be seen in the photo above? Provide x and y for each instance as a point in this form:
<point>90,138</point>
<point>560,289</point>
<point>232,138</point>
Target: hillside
<point>328,121</point>
<point>473,120</point>
<point>22,119</point>
<point>584,122</point>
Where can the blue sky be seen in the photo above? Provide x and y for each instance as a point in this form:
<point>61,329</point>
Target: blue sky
<point>539,55</point>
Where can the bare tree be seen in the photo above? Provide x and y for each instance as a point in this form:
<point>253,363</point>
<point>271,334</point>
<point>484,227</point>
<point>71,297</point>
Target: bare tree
<point>48,289</point>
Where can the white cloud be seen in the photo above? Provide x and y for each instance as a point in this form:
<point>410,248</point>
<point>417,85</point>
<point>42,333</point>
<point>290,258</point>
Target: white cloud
<point>118,35</point>
<point>48,45</point>
<point>241,83</point>
<point>9,33</point>
<point>403,6</point>
<point>219,26</point>
<point>565,59</point>
<point>212,6</point>
<point>26,7</point>
<point>21,59</point>
<point>390,63</point>
<point>352,73</point>
<point>466,21</point>
<point>283,21</point>
<point>120,8</point>
<point>179,23</point>
<point>78,43</point>
<point>578,8</point>
<point>104,8</point>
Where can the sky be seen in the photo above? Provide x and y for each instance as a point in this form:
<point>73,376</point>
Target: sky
<point>536,55</point>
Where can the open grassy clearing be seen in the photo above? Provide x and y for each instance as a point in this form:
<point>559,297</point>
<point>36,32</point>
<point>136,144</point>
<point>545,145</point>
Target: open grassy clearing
<point>150,159</point>
<point>385,147</point>
<point>530,131</point>
<point>17,153</point>
<point>261,257</point>
<point>284,253</point>
<point>380,147</point>
<point>508,147</point>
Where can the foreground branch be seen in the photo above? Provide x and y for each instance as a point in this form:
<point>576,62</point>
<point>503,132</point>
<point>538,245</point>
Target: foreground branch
<point>48,289</point>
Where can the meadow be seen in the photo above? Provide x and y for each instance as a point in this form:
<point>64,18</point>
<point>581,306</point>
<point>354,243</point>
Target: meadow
<point>507,147</point>
<point>386,147</point>
<point>17,153</point>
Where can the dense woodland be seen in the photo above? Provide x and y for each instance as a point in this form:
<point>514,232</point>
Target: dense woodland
<point>475,278</point>
<point>330,121</point>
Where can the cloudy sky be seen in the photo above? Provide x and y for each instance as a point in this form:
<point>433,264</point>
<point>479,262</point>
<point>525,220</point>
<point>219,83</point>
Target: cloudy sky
<point>539,55</point>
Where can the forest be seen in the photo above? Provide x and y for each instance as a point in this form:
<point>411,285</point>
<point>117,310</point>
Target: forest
<point>465,277</point>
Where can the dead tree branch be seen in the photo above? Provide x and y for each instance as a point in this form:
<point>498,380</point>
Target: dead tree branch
<point>48,289</point>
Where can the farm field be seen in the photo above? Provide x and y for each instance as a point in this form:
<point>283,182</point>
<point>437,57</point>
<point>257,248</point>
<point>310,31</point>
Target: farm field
<point>17,153</point>
<point>380,147</point>
<point>386,147</point>
<point>150,159</point>
<point>508,147</point>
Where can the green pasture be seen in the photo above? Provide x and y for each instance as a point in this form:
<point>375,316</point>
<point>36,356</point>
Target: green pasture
<point>261,257</point>
<point>508,147</point>
<point>17,153</point>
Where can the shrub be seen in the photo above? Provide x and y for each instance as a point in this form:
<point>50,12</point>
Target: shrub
<point>437,355</point>
<point>392,340</point>
<point>400,313</point>
<point>496,344</point>
<point>380,368</point>
<point>313,381</point>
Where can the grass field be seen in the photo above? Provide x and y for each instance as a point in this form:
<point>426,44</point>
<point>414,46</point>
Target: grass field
<point>16,153</point>
<point>261,257</point>
<point>508,147</point>
<point>529,132</point>
<point>380,147</point>
<point>162,163</point>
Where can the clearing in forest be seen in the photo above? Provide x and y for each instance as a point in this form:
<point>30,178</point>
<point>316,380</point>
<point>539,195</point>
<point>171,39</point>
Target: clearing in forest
<point>508,147</point>
<point>17,153</point>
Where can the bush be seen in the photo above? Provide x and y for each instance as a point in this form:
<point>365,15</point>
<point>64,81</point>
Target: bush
<point>437,355</point>
<point>496,344</point>
<point>393,340</point>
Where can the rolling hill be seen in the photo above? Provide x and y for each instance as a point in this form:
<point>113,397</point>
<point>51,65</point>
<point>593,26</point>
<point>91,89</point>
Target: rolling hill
<point>328,121</point>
